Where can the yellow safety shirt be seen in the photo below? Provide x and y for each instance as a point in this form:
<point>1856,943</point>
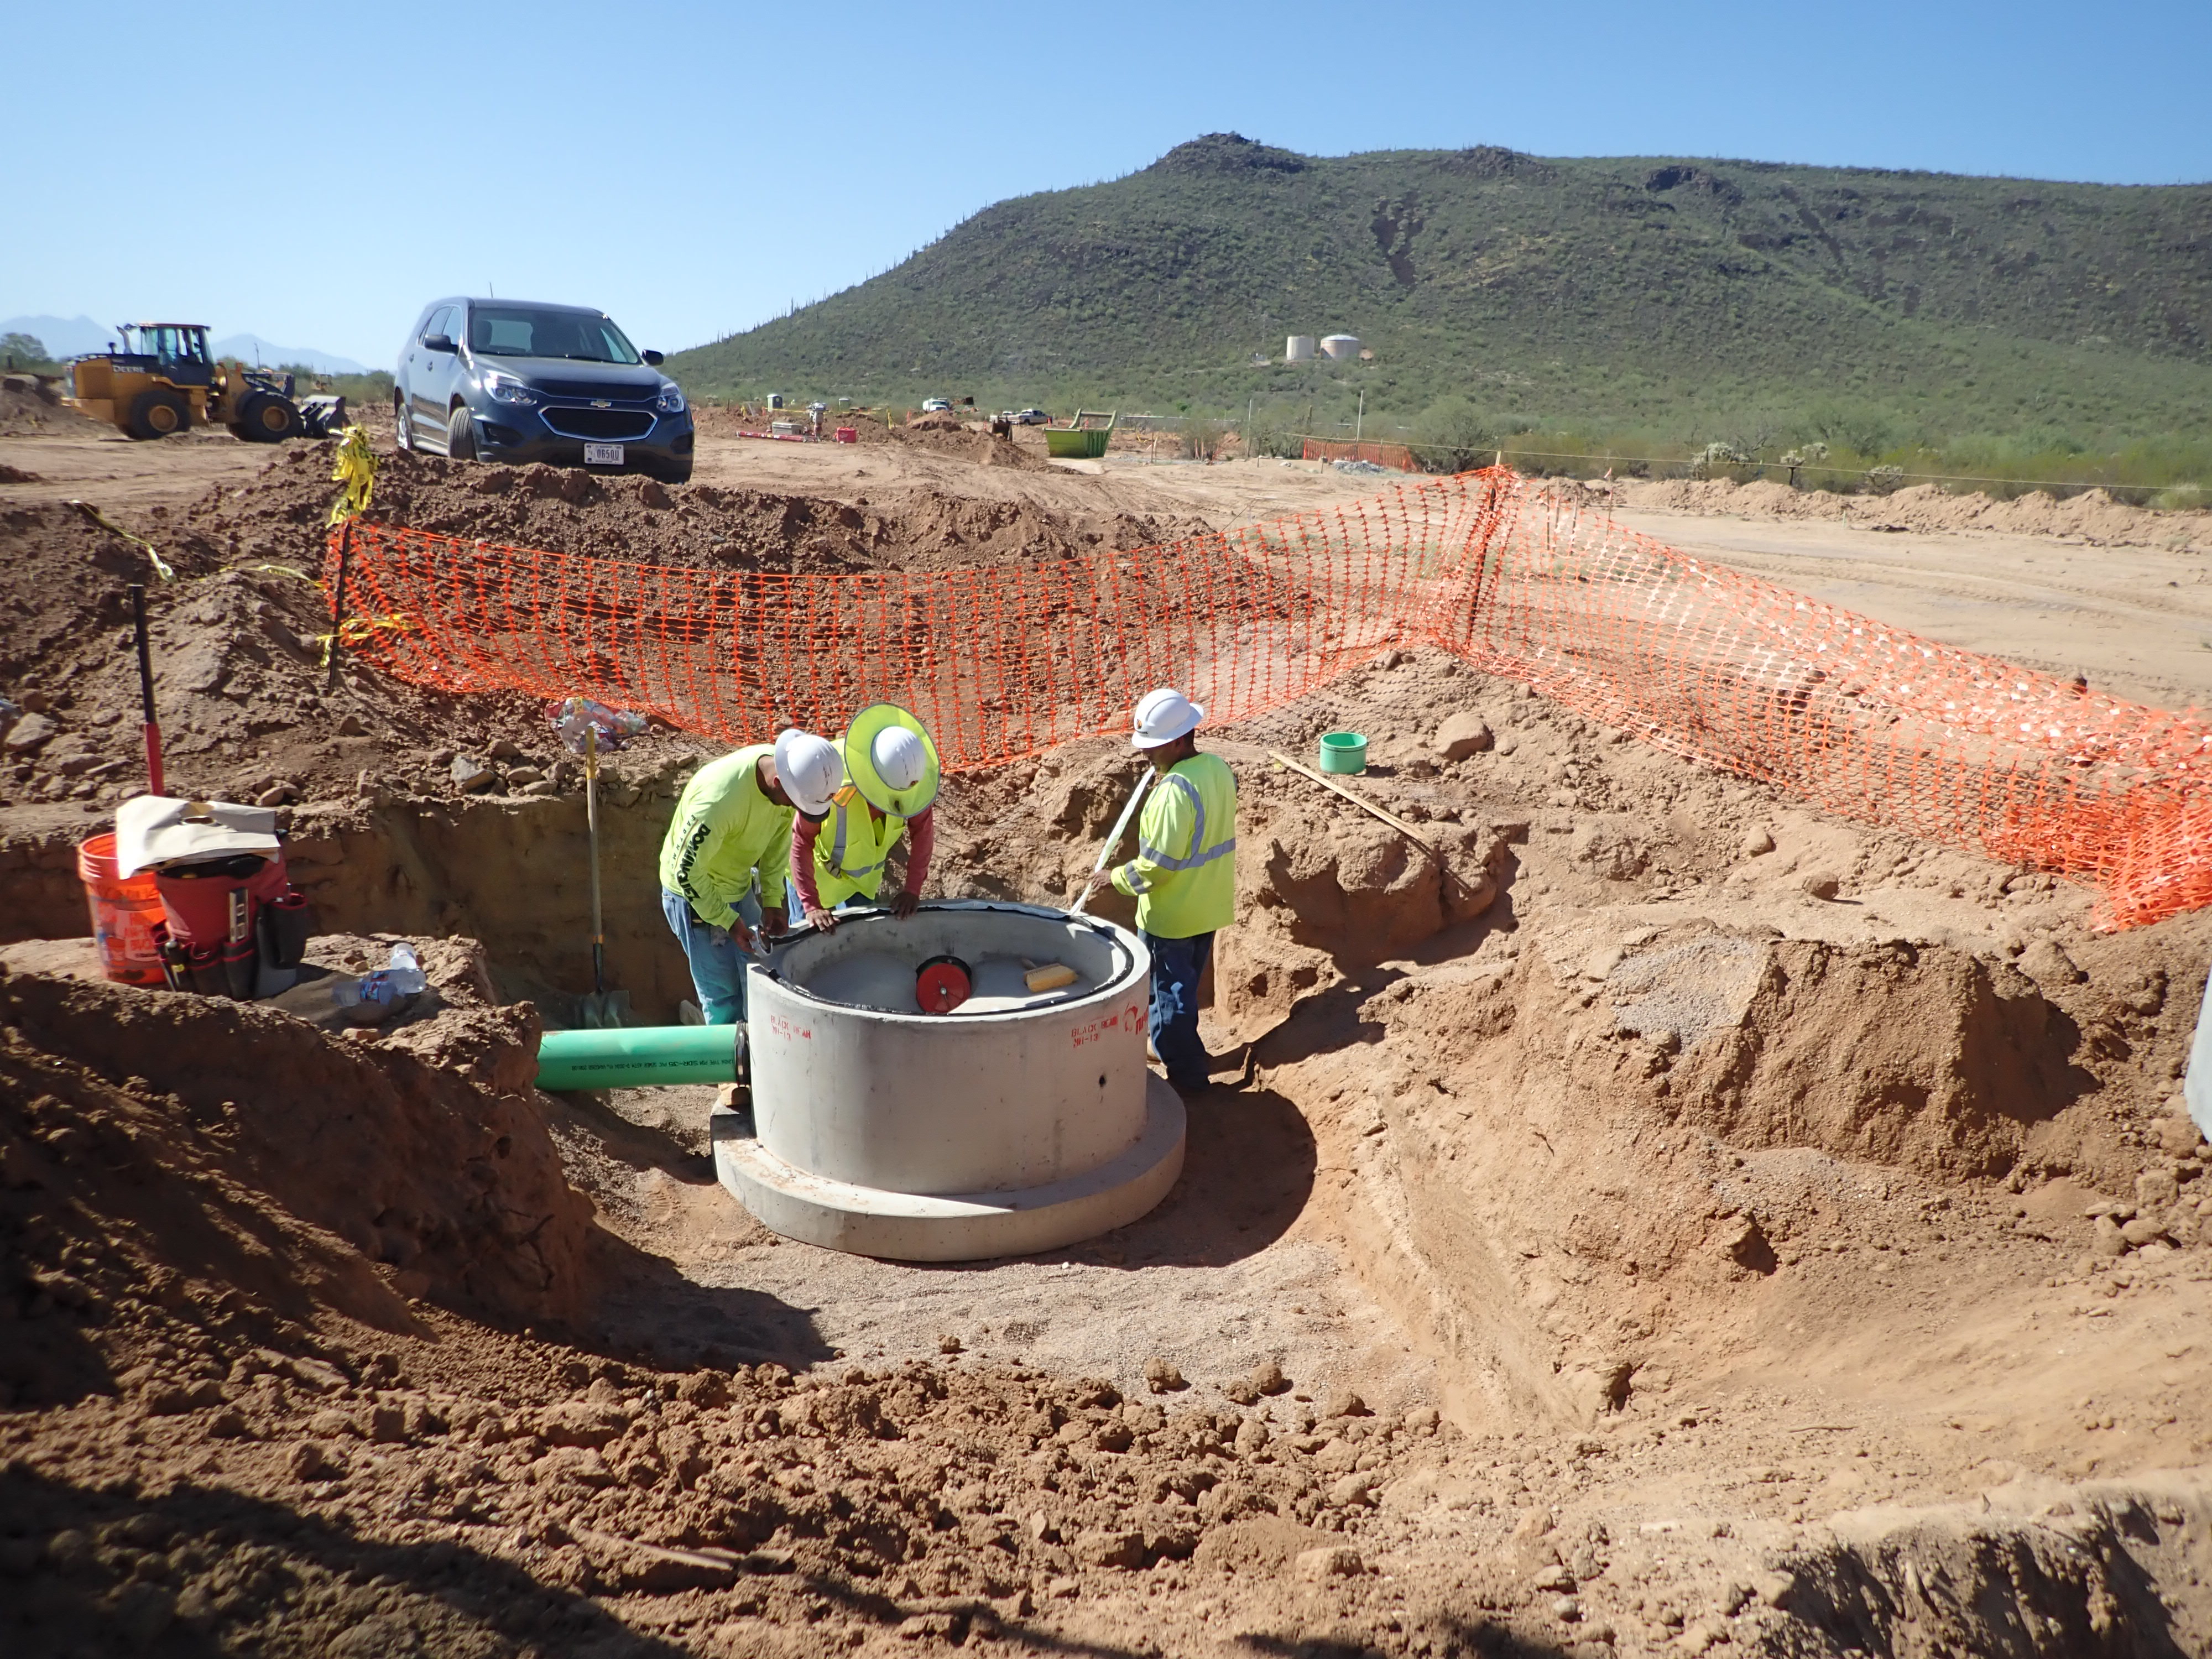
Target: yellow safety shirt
<point>727,839</point>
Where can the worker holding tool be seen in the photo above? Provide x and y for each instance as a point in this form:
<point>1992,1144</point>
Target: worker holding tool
<point>726,853</point>
<point>892,776</point>
<point>1184,875</point>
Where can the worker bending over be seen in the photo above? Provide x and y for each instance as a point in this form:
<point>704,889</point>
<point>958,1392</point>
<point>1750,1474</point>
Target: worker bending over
<point>892,774</point>
<point>726,853</point>
<point>1184,875</point>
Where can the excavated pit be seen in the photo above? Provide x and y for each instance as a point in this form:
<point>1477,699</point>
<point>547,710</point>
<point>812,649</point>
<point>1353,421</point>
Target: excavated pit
<point>1738,1235</point>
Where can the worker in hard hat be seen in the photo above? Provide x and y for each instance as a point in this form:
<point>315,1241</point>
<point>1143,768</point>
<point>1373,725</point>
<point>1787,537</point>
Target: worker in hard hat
<point>724,858</point>
<point>892,776</point>
<point>1184,875</point>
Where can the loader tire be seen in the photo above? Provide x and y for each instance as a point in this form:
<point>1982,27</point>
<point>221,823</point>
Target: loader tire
<point>265,418</point>
<point>157,414</point>
<point>461,435</point>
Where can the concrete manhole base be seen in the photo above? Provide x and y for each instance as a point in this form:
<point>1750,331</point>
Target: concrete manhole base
<point>955,1226</point>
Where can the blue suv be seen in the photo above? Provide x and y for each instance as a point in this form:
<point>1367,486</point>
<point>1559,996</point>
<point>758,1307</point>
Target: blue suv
<point>514,380</point>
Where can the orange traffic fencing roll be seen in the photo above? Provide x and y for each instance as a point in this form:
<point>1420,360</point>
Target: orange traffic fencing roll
<point>1397,457</point>
<point>1858,718</point>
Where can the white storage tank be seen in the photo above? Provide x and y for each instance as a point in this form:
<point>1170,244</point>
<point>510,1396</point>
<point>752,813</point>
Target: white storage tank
<point>1298,349</point>
<point>1340,348</point>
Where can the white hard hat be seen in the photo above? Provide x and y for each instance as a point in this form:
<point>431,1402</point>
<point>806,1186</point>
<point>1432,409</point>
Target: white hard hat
<point>811,769</point>
<point>1164,716</point>
<point>900,760</point>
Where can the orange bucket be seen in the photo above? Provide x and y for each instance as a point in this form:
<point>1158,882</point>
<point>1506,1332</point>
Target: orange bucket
<point>124,912</point>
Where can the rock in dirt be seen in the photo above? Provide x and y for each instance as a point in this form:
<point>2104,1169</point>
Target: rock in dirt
<point>470,773</point>
<point>1344,1403</point>
<point>1756,844</point>
<point>2179,1135</point>
<point>1331,1561</point>
<point>2157,1189</point>
<point>1822,887</point>
<point>2047,963</point>
<point>1268,1377</point>
<point>1111,1549</point>
<point>1464,734</point>
<point>2107,1240</point>
<point>1161,1377</point>
<point>30,734</point>
<point>1350,1490</point>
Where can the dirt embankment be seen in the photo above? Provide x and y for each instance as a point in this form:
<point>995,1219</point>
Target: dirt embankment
<point>2093,516</point>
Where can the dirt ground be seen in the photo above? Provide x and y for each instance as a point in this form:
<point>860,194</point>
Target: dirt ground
<point>1659,1220</point>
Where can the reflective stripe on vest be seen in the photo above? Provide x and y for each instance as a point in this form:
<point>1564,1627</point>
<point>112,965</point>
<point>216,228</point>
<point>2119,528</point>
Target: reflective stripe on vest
<point>1201,853</point>
<point>838,849</point>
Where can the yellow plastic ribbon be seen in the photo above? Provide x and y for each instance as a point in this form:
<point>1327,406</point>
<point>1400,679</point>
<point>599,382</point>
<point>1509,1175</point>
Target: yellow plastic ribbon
<point>152,552</point>
<point>358,630</point>
<point>356,470</point>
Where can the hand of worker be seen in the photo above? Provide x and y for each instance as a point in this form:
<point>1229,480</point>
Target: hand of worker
<point>822,921</point>
<point>774,921</point>
<point>1097,883</point>
<point>905,904</point>
<point>738,934</point>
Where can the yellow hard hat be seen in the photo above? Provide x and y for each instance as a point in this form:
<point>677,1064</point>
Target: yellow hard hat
<point>891,760</point>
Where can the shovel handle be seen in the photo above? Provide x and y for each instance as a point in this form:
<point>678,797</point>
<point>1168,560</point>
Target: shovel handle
<point>154,781</point>
<point>1113,841</point>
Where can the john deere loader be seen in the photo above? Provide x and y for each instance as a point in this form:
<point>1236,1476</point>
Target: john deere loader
<point>163,380</point>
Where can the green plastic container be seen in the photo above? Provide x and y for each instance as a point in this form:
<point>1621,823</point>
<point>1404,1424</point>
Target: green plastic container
<point>636,1057</point>
<point>1343,752</point>
<point>1063,445</point>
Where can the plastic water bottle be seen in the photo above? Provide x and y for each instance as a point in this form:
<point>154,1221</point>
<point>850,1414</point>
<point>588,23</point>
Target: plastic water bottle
<point>386,986</point>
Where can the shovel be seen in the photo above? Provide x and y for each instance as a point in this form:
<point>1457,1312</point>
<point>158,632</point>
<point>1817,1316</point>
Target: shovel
<point>1113,839</point>
<point>602,1009</point>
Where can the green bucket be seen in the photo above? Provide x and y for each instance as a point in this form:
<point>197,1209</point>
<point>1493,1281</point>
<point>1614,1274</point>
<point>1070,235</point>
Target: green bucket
<point>1344,752</point>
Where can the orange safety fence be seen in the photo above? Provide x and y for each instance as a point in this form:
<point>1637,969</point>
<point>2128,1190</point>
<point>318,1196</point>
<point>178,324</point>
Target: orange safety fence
<point>1396,457</point>
<point>1855,717</point>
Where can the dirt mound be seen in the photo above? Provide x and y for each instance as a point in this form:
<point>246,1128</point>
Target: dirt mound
<point>565,510</point>
<point>31,408</point>
<point>233,1137</point>
<point>2093,516</point>
<point>245,703</point>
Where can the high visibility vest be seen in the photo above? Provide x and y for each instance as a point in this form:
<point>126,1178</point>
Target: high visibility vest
<point>1184,875</point>
<point>850,849</point>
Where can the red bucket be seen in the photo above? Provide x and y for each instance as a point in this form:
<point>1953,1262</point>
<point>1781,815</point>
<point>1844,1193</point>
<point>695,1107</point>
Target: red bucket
<point>125,909</point>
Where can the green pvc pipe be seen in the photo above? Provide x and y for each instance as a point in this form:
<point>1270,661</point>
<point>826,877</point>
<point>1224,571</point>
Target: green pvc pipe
<point>637,1057</point>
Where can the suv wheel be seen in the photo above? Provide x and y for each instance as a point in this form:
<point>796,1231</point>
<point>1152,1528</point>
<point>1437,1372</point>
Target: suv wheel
<point>403,418</point>
<point>460,434</point>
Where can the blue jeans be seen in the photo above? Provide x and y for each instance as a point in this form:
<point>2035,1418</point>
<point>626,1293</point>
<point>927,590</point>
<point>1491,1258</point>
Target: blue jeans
<point>1178,964</point>
<point>718,966</point>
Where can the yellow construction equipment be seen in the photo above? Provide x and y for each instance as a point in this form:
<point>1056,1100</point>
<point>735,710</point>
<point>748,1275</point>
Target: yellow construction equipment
<point>164,381</point>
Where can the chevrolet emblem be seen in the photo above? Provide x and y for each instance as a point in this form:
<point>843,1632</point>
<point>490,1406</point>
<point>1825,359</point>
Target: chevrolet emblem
<point>601,403</point>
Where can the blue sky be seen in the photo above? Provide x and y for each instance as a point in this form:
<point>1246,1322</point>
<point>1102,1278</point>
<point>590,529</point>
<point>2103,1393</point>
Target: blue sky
<point>695,168</point>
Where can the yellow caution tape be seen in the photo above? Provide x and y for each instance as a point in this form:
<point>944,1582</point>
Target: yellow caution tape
<point>281,570</point>
<point>356,470</point>
<point>358,630</point>
<point>152,552</point>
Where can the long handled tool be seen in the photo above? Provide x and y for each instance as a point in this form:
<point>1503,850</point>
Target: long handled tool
<point>1337,787</point>
<point>154,778</point>
<point>603,1009</point>
<point>1113,841</point>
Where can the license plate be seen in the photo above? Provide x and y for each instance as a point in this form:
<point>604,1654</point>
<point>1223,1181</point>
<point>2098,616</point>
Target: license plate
<point>603,454</point>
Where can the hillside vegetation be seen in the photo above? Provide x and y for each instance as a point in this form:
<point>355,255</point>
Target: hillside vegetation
<point>1679,300</point>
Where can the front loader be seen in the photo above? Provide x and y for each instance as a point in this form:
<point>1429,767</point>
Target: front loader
<point>164,381</point>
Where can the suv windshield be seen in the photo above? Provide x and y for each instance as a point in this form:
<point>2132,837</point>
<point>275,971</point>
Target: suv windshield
<point>528,331</point>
